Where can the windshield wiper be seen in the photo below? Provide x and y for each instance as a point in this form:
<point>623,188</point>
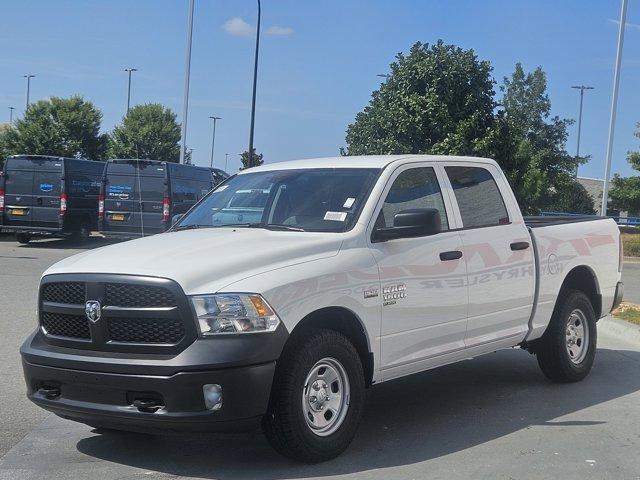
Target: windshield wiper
<point>276,226</point>
<point>190,227</point>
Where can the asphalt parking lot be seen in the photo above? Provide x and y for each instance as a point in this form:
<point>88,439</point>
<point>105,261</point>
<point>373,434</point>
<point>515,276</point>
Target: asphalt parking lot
<point>493,417</point>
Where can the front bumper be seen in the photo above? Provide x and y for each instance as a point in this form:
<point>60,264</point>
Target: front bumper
<point>104,389</point>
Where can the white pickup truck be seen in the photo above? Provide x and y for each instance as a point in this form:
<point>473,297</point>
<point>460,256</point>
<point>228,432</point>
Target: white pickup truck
<point>292,287</point>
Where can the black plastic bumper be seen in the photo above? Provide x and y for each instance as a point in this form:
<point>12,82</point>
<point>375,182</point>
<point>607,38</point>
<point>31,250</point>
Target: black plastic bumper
<point>107,390</point>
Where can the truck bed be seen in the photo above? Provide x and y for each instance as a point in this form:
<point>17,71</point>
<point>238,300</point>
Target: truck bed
<point>544,221</point>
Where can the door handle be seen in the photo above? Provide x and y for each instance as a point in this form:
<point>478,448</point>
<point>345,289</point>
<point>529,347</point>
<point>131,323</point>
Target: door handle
<point>519,245</point>
<point>39,200</point>
<point>452,255</point>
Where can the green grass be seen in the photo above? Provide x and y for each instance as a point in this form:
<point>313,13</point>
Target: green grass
<point>630,313</point>
<point>631,242</point>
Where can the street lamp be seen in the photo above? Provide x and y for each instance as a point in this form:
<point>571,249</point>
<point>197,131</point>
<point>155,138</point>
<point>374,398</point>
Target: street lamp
<point>28,77</point>
<point>129,71</point>
<point>187,73</point>
<point>226,159</point>
<point>614,106</point>
<point>213,138</point>
<point>582,88</point>
<point>255,79</point>
<point>386,76</point>
<point>11,109</point>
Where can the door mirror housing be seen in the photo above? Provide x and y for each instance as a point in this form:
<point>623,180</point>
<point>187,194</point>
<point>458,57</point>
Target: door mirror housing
<point>415,222</point>
<point>176,218</point>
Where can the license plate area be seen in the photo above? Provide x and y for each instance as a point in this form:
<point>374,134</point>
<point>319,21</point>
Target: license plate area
<point>18,212</point>
<point>118,217</point>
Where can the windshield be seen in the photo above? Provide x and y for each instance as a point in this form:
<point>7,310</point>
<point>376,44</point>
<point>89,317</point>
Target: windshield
<point>316,200</point>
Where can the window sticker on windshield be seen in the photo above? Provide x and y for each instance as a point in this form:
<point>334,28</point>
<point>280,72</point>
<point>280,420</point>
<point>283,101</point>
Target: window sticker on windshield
<point>222,188</point>
<point>46,187</point>
<point>348,203</point>
<point>336,216</point>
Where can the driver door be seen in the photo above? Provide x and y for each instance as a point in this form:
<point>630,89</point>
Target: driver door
<point>424,291</point>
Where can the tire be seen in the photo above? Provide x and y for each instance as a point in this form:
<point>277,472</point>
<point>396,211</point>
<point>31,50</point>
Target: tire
<point>563,354</point>
<point>298,372</point>
<point>81,235</point>
<point>23,238</point>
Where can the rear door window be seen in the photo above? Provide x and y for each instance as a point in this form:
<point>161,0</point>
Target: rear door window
<point>478,196</point>
<point>18,182</point>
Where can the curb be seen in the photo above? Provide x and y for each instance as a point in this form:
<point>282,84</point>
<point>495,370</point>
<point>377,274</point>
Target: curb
<point>629,332</point>
<point>631,259</point>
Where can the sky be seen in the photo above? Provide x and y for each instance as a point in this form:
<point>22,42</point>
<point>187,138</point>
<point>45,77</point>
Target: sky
<point>319,63</point>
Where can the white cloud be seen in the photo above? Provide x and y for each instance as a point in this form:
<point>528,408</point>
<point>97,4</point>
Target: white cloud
<point>275,30</point>
<point>635,26</point>
<point>238,27</point>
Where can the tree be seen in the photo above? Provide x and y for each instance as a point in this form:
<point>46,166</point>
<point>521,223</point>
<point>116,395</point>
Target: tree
<point>3,154</point>
<point>147,131</point>
<point>257,159</point>
<point>66,127</point>
<point>438,99</point>
<point>625,192</point>
<point>530,146</point>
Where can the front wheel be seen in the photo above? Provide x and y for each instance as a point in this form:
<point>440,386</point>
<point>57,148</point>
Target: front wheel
<point>567,350</point>
<point>316,398</point>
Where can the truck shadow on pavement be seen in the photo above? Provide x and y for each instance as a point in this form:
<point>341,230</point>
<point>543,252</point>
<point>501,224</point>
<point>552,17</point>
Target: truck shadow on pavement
<point>410,420</point>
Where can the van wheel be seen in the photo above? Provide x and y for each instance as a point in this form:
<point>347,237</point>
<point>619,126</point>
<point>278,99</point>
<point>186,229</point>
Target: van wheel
<point>316,398</point>
<point>23,238</point>
<point>568,348</point>
<point>81,235</point>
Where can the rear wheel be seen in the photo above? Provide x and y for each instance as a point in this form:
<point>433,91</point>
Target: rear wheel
<point>316,398</point>
<point>81,234</point>
<point>23,238</point>
<point>567,350</point>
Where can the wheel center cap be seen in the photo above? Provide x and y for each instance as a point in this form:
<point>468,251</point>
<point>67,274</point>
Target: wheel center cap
<point>318,396</point>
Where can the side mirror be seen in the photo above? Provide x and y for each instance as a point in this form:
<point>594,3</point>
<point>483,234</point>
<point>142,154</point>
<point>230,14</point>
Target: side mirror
<point>176,218</point>
<point>416,222</point>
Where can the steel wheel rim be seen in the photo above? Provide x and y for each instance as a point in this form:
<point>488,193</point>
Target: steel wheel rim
<point>325,397</point>
<point>577,336</point>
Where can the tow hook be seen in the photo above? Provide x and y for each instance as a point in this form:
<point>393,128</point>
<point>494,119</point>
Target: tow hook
<point>50,393</point>
<point>147,405</point>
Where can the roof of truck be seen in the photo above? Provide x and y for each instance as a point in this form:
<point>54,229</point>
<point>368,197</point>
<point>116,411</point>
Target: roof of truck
<point>361,161</point>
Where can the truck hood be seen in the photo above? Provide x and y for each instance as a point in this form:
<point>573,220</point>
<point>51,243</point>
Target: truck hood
<point>205,260</point>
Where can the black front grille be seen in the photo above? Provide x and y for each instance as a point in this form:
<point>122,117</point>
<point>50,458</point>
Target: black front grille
<point>138,296</point>
<point>146,330</point>
<point>64,292</point>
<point>62,325</point>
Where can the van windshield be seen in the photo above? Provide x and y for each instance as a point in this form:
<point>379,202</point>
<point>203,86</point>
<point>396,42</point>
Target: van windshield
<point>317,200</point>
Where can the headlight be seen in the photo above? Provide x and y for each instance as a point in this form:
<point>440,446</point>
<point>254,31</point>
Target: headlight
<point>233,313</point>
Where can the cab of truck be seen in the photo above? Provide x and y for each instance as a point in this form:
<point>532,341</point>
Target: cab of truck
<point>49,196</point>
<point>139,197</point>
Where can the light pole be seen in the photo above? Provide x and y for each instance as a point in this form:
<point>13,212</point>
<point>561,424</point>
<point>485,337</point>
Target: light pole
<point>582,88</point>
<point>226,159</point>
<point>255,80</point>
<point>213,138</point>
<point>614,105</point>
<point>129,71</point>
<point>28,77</point>
<point>386,76</point>
<point>11,109</point>
<point>187,73</point>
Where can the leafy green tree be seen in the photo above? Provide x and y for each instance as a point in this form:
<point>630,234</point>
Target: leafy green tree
<point>530,146</point>
<point>257,159</point>
<point>147,131</point>
<point>68,127</point>
<point>438,99</point>
<point>3,154</point>
<point>625,191</point>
